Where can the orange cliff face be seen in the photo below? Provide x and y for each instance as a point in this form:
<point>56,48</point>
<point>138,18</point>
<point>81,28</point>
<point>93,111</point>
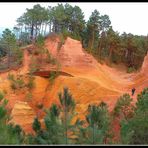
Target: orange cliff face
<point>90,83</point>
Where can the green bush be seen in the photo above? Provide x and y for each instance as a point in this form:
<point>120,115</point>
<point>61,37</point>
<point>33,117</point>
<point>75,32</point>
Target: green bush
<point>115,59</point>
<point>50,59</point>
<point>31,83</point>
<point>131,69</point>
<point>34,66</point>
<point>19,56</point>
<point>52,76</point>
<point>16,83</point>
<point>20,83</point>
<point>10,77</point>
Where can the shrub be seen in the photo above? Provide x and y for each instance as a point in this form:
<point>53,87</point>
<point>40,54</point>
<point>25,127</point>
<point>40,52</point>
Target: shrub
<point>31,83</point>
<point>131,69</point>
<point>36,125</point>
<point>50,59</point>
<point>20,83</point>
<point>123,105</point>
<point>11,77</point>
<point>34,66</point>
<point>52,76</point>
<point>16,83</point>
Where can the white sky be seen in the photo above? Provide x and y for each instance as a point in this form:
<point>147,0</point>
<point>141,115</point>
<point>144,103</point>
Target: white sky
<point>125,17</point>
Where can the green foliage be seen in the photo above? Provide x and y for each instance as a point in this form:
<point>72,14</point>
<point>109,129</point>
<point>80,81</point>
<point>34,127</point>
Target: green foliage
<point>8,137</point>
<point>60,18</point>
<point>67,100</point>
<point>54,128</point>
<point>67,108</point>
<point>64,35</point>
<point>53,132</point>
<point>24,39</point>
<point>57,123</point>
<point>92,30</point>
<point>123,106</point>
<point>11,77</point>
<point>19,56</point>
<point>9,43</point>
<point>52,76</point>
<point>16,83</point>
<point>36,125</point>
<point>131,69</point>
<point>20,83</point>
<point>34,66</point>
<point>9,134</point>
<point>40,41</point>
<point>99,121</point>
<point>34,17</point>
<point>31,83</point>
<point>135,131</point>
<point>96,35</point>
<point>50,59</point>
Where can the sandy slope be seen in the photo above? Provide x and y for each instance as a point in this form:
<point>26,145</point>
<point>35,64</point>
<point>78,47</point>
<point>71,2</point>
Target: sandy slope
<point>91,82</point>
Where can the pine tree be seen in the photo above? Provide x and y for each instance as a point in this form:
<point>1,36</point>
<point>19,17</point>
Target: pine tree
<point>67,107</point>
<point>36,125</point>
<point>98,122</point>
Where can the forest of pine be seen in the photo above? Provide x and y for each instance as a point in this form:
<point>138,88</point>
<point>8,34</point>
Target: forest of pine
<point>96,35</point>
<point>107,46</point>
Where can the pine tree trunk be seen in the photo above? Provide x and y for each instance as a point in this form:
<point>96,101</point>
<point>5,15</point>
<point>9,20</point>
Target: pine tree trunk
<point>93,38</point>
<point>49,27</point>
<point>110,54</point>
<point>42,30</point>
<point>9,58</point>
<point>45,29</point>
<point>36,32</point>
<point>99,49</point>
<point>32,31</point>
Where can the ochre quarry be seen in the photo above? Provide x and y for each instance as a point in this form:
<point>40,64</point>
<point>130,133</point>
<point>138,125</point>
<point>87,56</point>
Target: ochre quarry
<point>88,81</point>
